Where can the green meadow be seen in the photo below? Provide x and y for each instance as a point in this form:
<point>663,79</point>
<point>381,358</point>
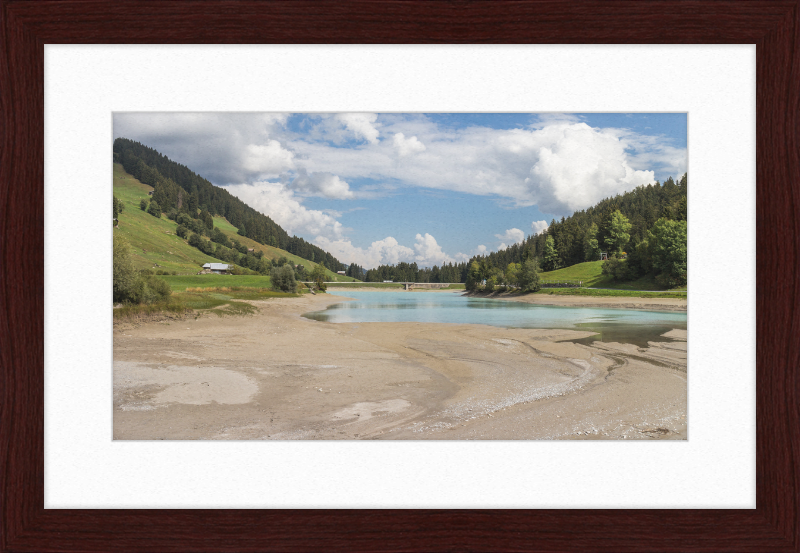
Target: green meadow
<point>154,244</point>
<point>590,274</point>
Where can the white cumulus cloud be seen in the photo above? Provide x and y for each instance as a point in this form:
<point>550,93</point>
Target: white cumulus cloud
<point>426,252</point>
<point>327,185</point>
<point>226,148</point>
<point>406,146</point>
<point>513,235</point>
<point>269,159</point>
<point>429,252</point>
<point>360,124</point>
<point>539,226</point>
<point>381,252</point>
<point>279,203</point>
<point>577,166</point>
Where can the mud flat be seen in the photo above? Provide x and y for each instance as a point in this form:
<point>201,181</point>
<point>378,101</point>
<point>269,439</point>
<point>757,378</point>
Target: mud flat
<point>278,376</point>
<point>606,302</point>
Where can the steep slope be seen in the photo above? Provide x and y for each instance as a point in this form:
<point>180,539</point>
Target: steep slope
<point>177,186</point>
<point>270,252</point>
<point>155,245</point>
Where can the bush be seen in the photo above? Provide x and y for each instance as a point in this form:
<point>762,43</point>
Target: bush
<point>173,214</point>
<point>131,286</point>
<point>318,276</point>
<point>283,279</point>
<point>149,289</point>
<point>124,272</point>
<point>617,269</point>
<point>219,237</point>
<point>154,209</point>
<point>143,205</point>
<point>182,231</point>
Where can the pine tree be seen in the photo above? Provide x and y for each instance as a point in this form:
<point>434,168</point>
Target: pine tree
<point>550,255</point>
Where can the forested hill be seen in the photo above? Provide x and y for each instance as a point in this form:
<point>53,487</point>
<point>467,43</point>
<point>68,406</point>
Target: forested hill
<point>573,236</point>
<point>179,188</point>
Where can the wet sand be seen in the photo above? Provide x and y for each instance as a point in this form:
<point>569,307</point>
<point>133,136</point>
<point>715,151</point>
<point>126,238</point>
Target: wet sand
<point>607,302</point>
<point>276,375</point>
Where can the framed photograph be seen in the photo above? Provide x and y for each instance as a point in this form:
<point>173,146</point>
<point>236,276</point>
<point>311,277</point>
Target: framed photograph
<point>70,483</point>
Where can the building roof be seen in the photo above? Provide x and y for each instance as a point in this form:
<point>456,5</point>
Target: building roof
<point>216,266</point>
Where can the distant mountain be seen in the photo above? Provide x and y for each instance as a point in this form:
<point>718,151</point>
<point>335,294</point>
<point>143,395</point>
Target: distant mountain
<point>177,187</point>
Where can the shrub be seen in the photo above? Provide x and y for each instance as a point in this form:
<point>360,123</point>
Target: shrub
<point>616,268</point>
<point>182,231</point>
<point>149,289</point>
<point>124,272</point>
<point>318,276</point>
<point>283,279</point>
<point>154,209</point>
<point>131,286</point>
<point>143,205</point>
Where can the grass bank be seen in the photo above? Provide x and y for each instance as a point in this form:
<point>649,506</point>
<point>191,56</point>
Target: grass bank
<point>590,274</point>
<point>179,283</point>
<point>192,302</point>
<point>610,293</point>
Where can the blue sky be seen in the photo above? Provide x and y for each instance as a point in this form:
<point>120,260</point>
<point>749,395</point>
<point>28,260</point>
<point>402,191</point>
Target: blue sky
<point>431,188</point>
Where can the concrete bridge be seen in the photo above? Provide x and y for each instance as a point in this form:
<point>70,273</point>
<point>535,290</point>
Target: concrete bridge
<point>428,285</point>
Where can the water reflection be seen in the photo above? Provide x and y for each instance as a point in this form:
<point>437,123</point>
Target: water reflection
<point>611,325</point>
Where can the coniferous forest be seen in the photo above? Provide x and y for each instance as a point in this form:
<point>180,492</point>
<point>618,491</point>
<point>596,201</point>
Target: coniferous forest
<point>180,189</point>
<point>641,232</point>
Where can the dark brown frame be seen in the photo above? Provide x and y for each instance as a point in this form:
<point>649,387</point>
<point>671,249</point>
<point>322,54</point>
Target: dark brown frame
<point>774,26</point>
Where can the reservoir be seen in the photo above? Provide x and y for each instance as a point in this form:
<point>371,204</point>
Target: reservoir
<point>610,325</point>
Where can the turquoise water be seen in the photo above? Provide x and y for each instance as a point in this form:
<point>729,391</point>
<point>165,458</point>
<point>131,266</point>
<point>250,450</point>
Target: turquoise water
<point>611,325</point>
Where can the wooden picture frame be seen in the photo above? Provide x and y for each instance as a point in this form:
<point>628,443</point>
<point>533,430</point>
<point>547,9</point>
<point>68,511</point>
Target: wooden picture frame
<point>774,26</point>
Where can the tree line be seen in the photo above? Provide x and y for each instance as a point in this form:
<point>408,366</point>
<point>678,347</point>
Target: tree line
<point>178,188</point>
<point>410,272</point>
<point>641,232</point>
<point>586,233</point>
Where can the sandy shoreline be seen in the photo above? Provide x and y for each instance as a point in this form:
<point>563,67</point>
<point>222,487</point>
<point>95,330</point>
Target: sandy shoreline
<point>276,375</point>
<point>608,302</point>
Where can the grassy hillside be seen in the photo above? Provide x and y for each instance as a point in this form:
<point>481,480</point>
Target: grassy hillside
<point>155,245</point>
<point>273,253</point>
<point>590,273</point>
